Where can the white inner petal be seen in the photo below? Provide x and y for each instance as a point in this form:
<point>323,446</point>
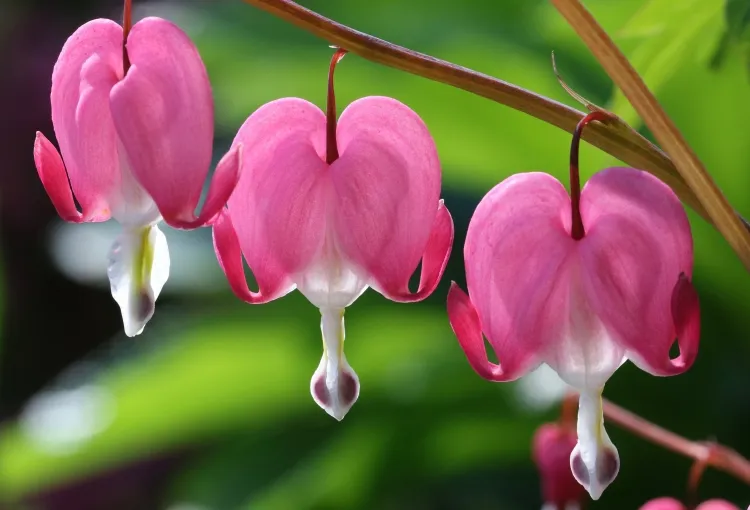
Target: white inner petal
<point>594,461</point>
<point>330,281</point>
<point>138,268</point>
<point>584,355</point>
<point>130,204</point>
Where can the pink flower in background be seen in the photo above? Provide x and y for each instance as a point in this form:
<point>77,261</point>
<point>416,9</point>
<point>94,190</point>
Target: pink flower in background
<point>552,446</point>
<point>333,225</point>
<point>582,291</point>
<point>136,146</point>
<point>673,504</point>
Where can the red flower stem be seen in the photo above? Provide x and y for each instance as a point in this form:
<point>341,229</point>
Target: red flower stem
<point>569,412</point>
<point>332,150</point>
<point>576,227</point>
<point>709,453</point>
<point>127,24</point>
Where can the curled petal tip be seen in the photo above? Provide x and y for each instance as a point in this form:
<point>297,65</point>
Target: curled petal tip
<point>223,183</point>
<point>49,166</point>
<point>467,327</point>
<point>229,255</point>
<point>687,321</point>
<point>434,260</point>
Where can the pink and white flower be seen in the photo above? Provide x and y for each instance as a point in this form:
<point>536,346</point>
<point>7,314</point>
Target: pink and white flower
<point>136,147</point>
<point>582,288</point>
<point>332,209</point>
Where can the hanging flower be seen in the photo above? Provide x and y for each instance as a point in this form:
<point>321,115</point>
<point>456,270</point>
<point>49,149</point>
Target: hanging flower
<point>582,283</point>
<point>332,209</point>
<point>135,130</point>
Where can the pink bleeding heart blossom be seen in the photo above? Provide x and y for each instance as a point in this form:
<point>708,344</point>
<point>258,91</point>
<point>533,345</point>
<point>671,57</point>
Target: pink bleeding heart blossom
<point>332,209</point>
<point>552,446</point>
<point>135,130</point>
<point>581,283</point>
<point>673,504</point>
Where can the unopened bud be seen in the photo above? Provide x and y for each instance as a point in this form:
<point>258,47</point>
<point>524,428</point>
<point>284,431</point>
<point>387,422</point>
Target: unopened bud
<point>552,447</point>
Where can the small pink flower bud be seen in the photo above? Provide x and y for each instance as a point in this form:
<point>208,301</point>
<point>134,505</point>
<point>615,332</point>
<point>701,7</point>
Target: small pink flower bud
<point>673,504</point>
<point>663,504</point>
<point>552,446</point>
<point>717,504</point>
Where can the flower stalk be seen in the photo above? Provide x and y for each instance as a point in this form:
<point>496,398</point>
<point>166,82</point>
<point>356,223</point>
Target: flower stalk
<point>689,167</point>
<point>127,24</point>
<point>332,150</point>
<point>627,145</point>
<point>577,229</point>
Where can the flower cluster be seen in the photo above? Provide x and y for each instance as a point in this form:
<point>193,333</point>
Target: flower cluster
<point>330,207</point>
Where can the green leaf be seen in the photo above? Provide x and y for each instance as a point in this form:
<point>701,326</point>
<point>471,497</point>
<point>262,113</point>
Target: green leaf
<point>664,36</point>
<point>248,370</point>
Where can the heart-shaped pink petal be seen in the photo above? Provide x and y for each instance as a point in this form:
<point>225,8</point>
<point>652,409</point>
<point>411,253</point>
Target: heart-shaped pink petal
<point>638,258</point>
<point>387,186</point>
<point>163,111</point>
<point>89,65</point>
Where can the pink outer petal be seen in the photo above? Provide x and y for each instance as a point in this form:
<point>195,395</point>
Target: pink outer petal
<point>52,173</point>
<point>467,328</point>
<point>434,260</point>
<point>89,65</point>
<point>518,256</point>
<point>163,112</point>
<point>280,206</point>
<point>223,184</point>
<point>228,252</point>
<point>717,504</point>
<point>637,245</point>
<point>663,504</point>
<point>387,182</point>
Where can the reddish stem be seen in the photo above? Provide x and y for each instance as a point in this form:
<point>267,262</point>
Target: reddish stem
<point>332,150</point>
<point>694,479</point>
<point>127,24</point>
<point>710,454</point>
<point>569,411</point>
<point>576,227</point>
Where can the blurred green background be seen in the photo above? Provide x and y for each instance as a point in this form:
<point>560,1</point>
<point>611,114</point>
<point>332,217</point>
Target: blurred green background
<point>210,408</point>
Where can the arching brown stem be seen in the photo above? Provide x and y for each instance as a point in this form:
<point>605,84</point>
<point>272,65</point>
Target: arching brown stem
<point>618,140</point>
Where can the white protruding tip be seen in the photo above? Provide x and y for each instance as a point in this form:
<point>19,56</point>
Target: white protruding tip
<point>334,385</point>
<point>594,460</point>
<point>138,268</point>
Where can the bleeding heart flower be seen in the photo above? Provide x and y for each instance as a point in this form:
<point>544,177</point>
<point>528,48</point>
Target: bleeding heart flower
<point>552,446</point>
<point>544,290</point>
<point>329,225</point>
<point>135,131</point>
